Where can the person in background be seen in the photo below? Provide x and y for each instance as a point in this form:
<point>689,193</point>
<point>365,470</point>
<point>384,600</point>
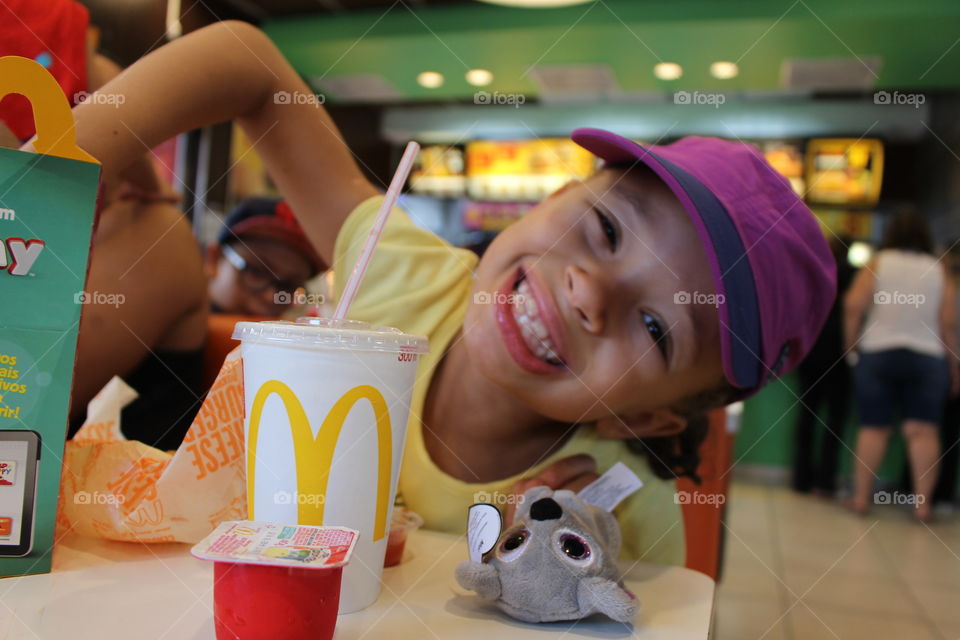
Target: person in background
<point>824,381</point>
<point>260,260</point>
<point>946,489</point>
<point>899,316</point>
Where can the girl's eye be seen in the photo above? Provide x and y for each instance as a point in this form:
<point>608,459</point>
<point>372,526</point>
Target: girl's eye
<point>656,332</point>
<point>608,228</point>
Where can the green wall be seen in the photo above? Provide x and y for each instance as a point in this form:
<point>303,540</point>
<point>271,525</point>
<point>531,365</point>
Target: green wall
<point>767,432</point>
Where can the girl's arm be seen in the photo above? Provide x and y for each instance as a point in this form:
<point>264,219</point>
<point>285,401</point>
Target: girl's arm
<point>140,173</point>
<point>231,70</point>
<point>855,304</point>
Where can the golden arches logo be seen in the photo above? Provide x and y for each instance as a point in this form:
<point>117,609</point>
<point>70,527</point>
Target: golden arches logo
<point>314,456</point>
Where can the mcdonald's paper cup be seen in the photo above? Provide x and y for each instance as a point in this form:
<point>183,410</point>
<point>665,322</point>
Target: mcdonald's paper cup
<point>327,403</point>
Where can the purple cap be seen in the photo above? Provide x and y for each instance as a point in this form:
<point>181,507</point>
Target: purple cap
<point>771,265</point>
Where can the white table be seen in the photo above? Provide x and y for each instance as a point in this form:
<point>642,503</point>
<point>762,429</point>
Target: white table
<point>104,590</point>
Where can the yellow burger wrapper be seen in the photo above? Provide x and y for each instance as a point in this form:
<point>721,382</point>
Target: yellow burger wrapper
<point>122,489</point>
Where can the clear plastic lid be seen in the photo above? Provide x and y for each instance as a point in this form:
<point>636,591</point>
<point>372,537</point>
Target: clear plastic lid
<point>329,333</point>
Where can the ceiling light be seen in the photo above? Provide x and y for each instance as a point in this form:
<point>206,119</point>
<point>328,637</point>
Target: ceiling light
<point>668,70</point>
<point>430,79</point>
<point>724,70</point>
<point>479,77</point>
<point>859,254</point>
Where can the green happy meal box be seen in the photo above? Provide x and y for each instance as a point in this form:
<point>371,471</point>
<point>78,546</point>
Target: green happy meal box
<point>47,203</point>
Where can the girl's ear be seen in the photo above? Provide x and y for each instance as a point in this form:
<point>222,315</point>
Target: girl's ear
<point>647,424</point>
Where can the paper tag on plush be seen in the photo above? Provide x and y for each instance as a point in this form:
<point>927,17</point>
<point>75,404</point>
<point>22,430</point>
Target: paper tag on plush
<point>484,524</point>
<point>611,488</point>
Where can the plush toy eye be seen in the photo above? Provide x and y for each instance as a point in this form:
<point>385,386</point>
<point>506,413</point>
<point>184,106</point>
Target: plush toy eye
<point>574,547</point>
<point>512,546</point>
<point>514,541</point>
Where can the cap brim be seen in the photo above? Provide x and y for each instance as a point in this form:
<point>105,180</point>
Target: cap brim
<point>737,308</point>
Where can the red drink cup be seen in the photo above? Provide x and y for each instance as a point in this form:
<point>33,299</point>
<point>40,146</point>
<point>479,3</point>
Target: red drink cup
<point>276,581</point>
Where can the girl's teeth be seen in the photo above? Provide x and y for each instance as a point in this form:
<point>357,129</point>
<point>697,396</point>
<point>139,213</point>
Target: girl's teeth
<point>534,332</point>
<point>528,304</point>
<point>540,330</point>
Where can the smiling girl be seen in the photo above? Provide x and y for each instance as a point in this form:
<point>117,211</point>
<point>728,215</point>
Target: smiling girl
<point>602,323</point>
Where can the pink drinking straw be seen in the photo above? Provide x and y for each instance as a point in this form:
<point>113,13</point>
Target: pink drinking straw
<point>389,200</point>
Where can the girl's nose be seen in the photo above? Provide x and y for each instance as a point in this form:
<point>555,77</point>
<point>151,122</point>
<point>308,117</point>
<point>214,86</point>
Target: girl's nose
<point>586,297</point>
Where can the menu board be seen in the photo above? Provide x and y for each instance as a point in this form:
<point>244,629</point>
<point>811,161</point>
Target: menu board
<point>787,159</point>
<point>439,171</point>
<point>524,170</point>
<point>844,171</point>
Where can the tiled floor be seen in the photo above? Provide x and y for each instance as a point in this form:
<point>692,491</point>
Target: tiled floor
<point>799,568</point>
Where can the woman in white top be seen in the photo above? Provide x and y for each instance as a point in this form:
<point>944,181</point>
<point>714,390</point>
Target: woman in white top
<point>899,319</point>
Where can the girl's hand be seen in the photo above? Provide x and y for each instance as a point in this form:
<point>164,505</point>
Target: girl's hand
<point>572,472</point>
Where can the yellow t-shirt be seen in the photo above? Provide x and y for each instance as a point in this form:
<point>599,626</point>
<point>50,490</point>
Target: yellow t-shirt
<point>421,284</point>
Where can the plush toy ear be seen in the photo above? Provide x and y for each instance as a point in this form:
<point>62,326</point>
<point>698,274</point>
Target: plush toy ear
<point>606,596</point>
<point>479,577</point>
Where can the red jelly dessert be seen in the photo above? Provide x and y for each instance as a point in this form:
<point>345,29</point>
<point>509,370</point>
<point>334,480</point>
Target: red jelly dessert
<point>276,581</point>
<point>264,602</point>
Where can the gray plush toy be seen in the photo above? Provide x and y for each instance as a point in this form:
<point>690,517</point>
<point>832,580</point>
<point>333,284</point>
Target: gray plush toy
<point>556,562</point>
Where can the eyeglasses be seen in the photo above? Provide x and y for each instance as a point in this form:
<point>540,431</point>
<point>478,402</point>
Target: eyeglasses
<point>256,279</point>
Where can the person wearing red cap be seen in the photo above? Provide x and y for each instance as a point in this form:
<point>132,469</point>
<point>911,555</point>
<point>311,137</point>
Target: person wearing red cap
<point>616,311</point>
<point>260,260</point>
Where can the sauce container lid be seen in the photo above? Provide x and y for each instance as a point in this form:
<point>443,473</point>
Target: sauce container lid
<point>274,544</point>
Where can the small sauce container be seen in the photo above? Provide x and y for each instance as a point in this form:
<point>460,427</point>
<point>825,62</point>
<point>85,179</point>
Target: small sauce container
<point>403,522</point>
<point>275,580</point>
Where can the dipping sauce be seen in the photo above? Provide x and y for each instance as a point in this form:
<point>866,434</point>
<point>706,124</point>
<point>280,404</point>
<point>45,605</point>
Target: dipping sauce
<point>404,521</point>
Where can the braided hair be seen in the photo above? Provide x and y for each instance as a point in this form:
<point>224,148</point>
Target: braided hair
<point>678,455</point>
